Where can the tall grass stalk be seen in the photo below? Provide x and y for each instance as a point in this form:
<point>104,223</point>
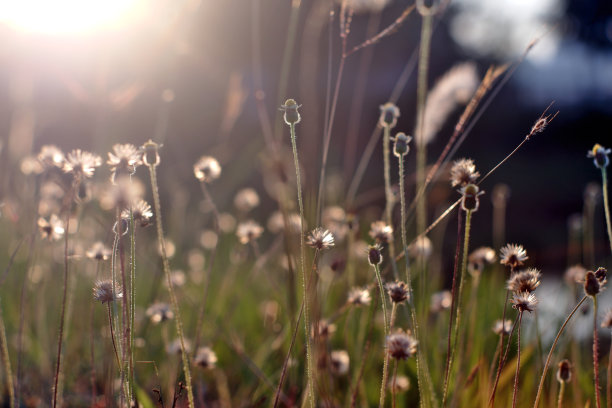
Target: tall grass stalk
<point>604,186</point>
<point>596,355</point>
<point>389,202</point>
<point>151,164</point>
<point>552,349</point>
<point>518,359</point>
<point>386,323</point>
<point>6,360</point>
<point>501,366</point>
<point>609,378</point>
<point>561,392</point>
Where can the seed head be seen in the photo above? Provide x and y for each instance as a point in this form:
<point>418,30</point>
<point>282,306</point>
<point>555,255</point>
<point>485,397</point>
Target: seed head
<point>141,211</point>
<point>320,239</point>
<point>291,116</point>
<point>601,274</point>
<point>479,258</point>
<point>592,285</point>
<point>150,153</point>
<point>401,345</point>
<point>98,251</point>
<point>339,361</point>
<point>440,301</point>
<point>326,328</point>
<point>470,200</point>
<point>246,199</point>
<point>276,223</point>
<point>206,358</point>
<point>463,173</point>
<point>575,274</point>
<point>375,254</point>
<point>599,154</point>
<point>359,297</point>
<point>401,148</point>
<point>606,323</point>
<point>81,164</point>
<point>381,232</point>
<point>53,229</point>
<point>103,291</point>
<point>402,384</point>
<point>51,157</point>
<point>524,301</point>
<point>248,231</point>
<point>512,255</point>
<point>398,291</point>
<point>207,169</point>
<point>421,248</point>
<point>501,327</point>
<point>389,113</point>
<point>123,160</point>
<point>159,312</point>
<point>524,281</point>
<point>564,371</point>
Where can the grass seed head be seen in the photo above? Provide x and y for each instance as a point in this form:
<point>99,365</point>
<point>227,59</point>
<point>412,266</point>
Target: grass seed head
<point>401,345</point>
<point>524,301</point>
<point>502,327</point>
<point>401,147</point>
<point>398,291</point>
<point>206,358</point>
<point>375,254</point>
<point>381,232</point>
<point>512,255</point>
<point>339,362</point>
<point>103,292</point>
<point>470,200</point>
<point>463,173</point>
<point>593,285</point>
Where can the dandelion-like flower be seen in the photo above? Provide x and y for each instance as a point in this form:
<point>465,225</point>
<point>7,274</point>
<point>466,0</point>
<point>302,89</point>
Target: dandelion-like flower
<point>174,348</point>
<point>359,297</point>
<point>103,292</point>
<point>159,312</point>
<point>401,345</point>
<point>512,255</point>
<point>599,154</point>
<point>375,254</point>
<point>141,211</point>
<point>500,327</point>
<point>564,371</point>
<point>398,291</point>
<point>479,258</point>
<point>98,251</point>
<point>320,239</point>
<point>389,113</point>
<point>123,160</point>
<point>463,173</point>
<point>574,274</point>
<point>248,231</point>
<point>524,301</point>
<point>440,301</point>
<point>207,169</point>
<point>524,281</point>
<point>81,164</point>
<point>246,199</point>
<point>421,248</point>
<point>381,232</point>
<point>206,358</point>
<point>52,229</point>
<point>51,156</point>
<point>339,362</point>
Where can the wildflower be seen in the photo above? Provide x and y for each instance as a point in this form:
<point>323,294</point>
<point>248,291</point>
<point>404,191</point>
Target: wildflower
<point>81,164</point>
<point>512,255</point>
<point>381,232</point>
<point>98,251</point>
<point>123,160</point>
<point>53,229</point>
<point>398,291</point>
<point>374,254</point>
<point>479,258</point>
<point>206,358</point>
<point>440,301</point>
<point>291,116</point>
<point>159,312</point>
<point>402,384</point>
<point>326,328</point>
<point>463,173</point>
<point>564,371</point>
<point>601,274</point>
<point>599,154</point>
<point>400,147</point>
<point>335,219</point>
<point>51,157</point>
<point>276,223</point>
<point>359,297</point>
<point>524,281</point>
<point>103,291</point>
<point>470,200</point>
<point>246,199</point>
<point>524,301</point>
<point>141,211</point>
<point>150,153</point>
<point>207,169</point>
<point>339,360</point>
<point>421,248</point>
<point>389,113</point>
<point>401,345</point>
<point>575,274</point>
<point>593,285</point>
<point>175,347</point>
<point>248,231</point>
<point>501,327</point>
<point>320,239</point>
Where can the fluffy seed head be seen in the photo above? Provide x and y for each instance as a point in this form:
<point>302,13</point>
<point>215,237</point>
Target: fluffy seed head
<point>381,232</point>
<point>207,169</point>
<point>463,173</point>
<point>291,116</point>
<point>246,199</point>
<point>320,238</point>
<point>359,297</point>
<point>81,164</point>
<point>51,157</point>
<point>440,301</point>
<point>524,281</point>
<point>401,345</point>
<point>601,274</point>
<point>98,251</point>
<point>389,113</point>
<point>103,291</point>
<point>564,371</point>
<point>402,384</point>
<point>248,231</point>
<point>52,229</point>
<point>599,154</point>
<point>206,358</point>
<point>500,327</point>
<point>575,274</point>
<point>339,361</point>
<point>174,348</point>
<point>398,291</point>
<point>123,160</point>
<point>141,211</point>
<point>421,248</point>
<point>159,312</point>
<point>512,255</point>
<point>150,153</point>
<point>524,301</point>
<point>479,258</point>
<point>375,254</point>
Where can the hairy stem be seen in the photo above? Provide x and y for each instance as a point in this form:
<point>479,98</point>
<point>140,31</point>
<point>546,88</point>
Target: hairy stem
<point>6,360</point>
<point>604,187</point>
<point>386,323</point>
<point>596,355</point>
<point>561,392</point>
<point>389,201</point>
<point>518,360</point>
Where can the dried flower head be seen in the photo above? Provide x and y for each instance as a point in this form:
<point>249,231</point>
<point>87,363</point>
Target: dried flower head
<point>601,274</point>
<point>381,232</point>
<point>320,238</point>
<point>159,312</point>
<point>150,153</point>
<point>470,200</point>
<point>248,231</point>
<point>339,362</point>
<point>479,258</point>
<point>398,291</point>
<point>421,248</point>
<point>402,384</point>
<point>98,251</point>
<point>291,116</point>
<point>524,281</point>
<point>524,301</point>
<point>246,199</point>
<point>375,254</point>
<point>400,147</point>
<point>334,218</point>
<point>564,371</point>
<point>141,211</point>
<point>606,323</point>
<point>207,169</point>
<point>592,285</point>
<point>512,255</point>
<point>359,297</point>
<point>325,328</point>
<point>599,154</point>
<point>206,358</point>
<point>440,301</point>
<point>123,160</point>
<point>500,327</point>
<point>52,229</point>
<point>174,347</point>
<point>276,223</point>
<point>51,157</point>
<point>389,113</point>
<point>463,173</point>
<point>103,291</point>
<point>574,274</point>
<point>81,164</point>
<point>401,345</point>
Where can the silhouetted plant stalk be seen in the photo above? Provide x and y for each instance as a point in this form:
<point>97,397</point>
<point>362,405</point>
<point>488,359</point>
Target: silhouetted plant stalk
<point>604,182</point>
<point>151,159</point>
<point>8,373</point>
<point>518,359</point>
<point>596,355</point>
<point>389,203</point>
<point>503,362</point>
<point>386,326</point>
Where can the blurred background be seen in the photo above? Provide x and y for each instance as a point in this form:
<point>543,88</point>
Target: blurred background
<point>188,74</point>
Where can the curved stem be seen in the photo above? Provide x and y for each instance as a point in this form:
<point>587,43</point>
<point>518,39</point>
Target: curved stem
<point>501,366</point>
<point>518,361</point>
<point>604,187</point>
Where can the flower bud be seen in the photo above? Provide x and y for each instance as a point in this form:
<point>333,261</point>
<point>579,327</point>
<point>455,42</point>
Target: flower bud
<point>292,116</point>
<point>470,200</point>
<point>401,147</point>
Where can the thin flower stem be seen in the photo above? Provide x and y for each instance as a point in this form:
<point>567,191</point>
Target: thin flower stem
<point>561,392</point>
<point>389,201</point>
<point>6,360</point>
<point>609,379</point>
<point>309,365</point>
<point>112,334</point>
<point>166,266</point>
<point>596,355</point>
<point>503,362</point>
<point>604,187</point>
<point>552,349</point>
<point>386,323</point>
<point>393,390</point>
<point>518,360</point>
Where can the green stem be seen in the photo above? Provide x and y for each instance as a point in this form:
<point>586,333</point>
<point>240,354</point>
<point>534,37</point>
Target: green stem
<point>604,182</point>
<point>7,362</point>
<point>596,355</point>
<point>389,201</point>
<point>309,365</point>
<point>166,266</point>
<point>132,298</point>
<point>112,334</point>
<point>386,323</point>
<point>609,378</point>
<point>561,392</point>
<point>518,361</point>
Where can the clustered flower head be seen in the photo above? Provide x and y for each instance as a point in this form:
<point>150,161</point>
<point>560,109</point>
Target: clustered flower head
<point>248,231</point>
<point>500,327</point>
<point>564,371</point>
<point>98,251</point>
<point>103,291</point>
<point>594,282</point>
<point>141,211</point>
<point>479,258</point>
<point>320,239</point>
<point>359,297</point>
<point>207,169</point>
<point>52,229</point>
<point>206,358</point>
<point>375,254</point>
<point>463,173</point>
<point>339,362</point>
<point>398,291</point>
<point>159,312</point>
<point>470,197</point>
<point>291,116</point>
<point>401,345</point>
<point>524,281</point>
<point>381,232</point>
<point>389,113</point>
<point>524,301</point>
<point>512,255</point>
<point>599,154</point>
<point>123,160</point>
<point>81,164</point>
<point>400,147</point>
